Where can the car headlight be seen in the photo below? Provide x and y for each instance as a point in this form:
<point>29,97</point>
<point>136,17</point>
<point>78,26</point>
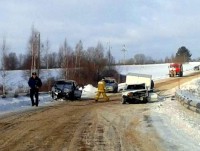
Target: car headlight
<point>66,90</point>
<point>130,94</point>
<point>57,91</point>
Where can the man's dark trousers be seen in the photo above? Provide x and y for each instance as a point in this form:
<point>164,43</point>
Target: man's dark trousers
<point>34,92</point>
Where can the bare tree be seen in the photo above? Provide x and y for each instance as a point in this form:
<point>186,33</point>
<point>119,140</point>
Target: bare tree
<point>21,60</point>
<point>67,59</point>
<point>47,48</point>
<point>35,51</point>
<point>32,57</point>
<point>60,56</point>
<point>88,72</point>
<point>93,66</point>
<point>78,54</point>
<point>110,68</point>
<point>12,62</point>
<point>53,60</point>
<point>110,58</point>
<point>139,59</point>
<point>100,61</point>
<point>3,64</point>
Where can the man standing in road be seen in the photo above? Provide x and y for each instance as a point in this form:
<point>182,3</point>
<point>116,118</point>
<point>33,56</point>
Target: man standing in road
<point>34,83</point>
<point>101,90</point>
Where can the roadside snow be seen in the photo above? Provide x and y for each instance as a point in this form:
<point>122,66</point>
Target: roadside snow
<point>177,126</point>
<point>88,91</point>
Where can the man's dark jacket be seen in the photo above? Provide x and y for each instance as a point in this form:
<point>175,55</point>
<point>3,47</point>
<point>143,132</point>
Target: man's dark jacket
<point>34,83</point>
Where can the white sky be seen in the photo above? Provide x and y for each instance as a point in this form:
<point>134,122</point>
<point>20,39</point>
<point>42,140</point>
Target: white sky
<point>156,28</point>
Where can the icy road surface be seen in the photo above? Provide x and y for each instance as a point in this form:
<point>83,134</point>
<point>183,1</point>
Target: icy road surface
<point>177,126</point>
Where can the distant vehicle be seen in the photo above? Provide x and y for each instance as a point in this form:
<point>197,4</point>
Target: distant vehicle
<point>138,87</point>
<point>175,69</point>
<point>111,85</point>
<point>197,67</point>
<point>67,89</point>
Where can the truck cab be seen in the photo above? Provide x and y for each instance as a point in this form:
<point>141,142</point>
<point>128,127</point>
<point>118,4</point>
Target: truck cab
<point>138,88</point>
<point>175,69</point>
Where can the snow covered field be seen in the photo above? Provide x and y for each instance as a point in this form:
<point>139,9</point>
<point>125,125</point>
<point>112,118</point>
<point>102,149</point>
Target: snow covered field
<point>15,80</point>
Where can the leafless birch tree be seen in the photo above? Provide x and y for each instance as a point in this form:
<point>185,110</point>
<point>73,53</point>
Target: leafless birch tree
<point>3,65</point>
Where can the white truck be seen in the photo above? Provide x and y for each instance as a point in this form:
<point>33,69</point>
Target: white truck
<point>137,88</point>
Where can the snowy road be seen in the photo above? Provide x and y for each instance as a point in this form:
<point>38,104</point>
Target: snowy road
<point>105,126</point>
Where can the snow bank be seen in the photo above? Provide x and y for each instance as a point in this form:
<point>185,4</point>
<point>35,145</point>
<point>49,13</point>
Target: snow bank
<point>89,91</point>
<point>189,95</point>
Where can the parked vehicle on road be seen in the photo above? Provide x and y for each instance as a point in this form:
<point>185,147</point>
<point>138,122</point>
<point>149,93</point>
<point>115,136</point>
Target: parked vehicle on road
<point>111,85</point>
<point>175,69</point>
<point>197,67</point>
<point>67,89</point>
<point>138,87</point>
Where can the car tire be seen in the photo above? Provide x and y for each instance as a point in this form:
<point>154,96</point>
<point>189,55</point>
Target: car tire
<point>123,101</point>
<point>116,89</point>
<point>71,96</point>
<point>145,99</point>
<point>53,96</point>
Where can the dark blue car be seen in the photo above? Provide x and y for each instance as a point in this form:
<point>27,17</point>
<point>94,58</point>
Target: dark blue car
<point>67,89</point>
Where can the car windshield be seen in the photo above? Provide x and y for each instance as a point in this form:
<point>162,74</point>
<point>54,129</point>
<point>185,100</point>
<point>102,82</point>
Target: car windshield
<point>136,86</point>
<point>60,82</point>
<point>175,65</point>
<point>109,81</point>
<point>66,84</point>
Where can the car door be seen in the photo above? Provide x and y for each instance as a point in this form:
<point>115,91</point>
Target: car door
<point>77,91</point>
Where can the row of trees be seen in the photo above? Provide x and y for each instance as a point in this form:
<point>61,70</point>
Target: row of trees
<point>82,65</point>
<point>182,55</point>
<point>12,61</point>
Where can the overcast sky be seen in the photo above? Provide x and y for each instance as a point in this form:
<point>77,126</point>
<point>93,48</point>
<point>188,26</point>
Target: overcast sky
<point>156,28</point>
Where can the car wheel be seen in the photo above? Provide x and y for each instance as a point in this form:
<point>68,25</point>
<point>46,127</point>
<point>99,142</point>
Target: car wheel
<point>123,101</point>
<point>71,96</point>
<point>145,99</point>
<point>116,89</point>
<point>53,96</point>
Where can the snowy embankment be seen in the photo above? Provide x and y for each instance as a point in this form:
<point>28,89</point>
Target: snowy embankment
<point>189,95</point>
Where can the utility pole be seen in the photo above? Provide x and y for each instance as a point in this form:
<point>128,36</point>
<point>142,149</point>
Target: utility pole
<point>47,62</point>
<point>38,50</point>
<point>124,51</point>
<point>109,55</point>
<point>3,61</point>
<point>35,49</point>
<point>32,53</point>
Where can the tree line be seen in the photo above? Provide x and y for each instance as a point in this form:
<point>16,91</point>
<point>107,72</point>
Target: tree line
<point>82,65</point>
<point>182,55</point>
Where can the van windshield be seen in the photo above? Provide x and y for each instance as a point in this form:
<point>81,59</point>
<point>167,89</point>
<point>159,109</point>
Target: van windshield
<point>109,81</point>
<point>175,65</point>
